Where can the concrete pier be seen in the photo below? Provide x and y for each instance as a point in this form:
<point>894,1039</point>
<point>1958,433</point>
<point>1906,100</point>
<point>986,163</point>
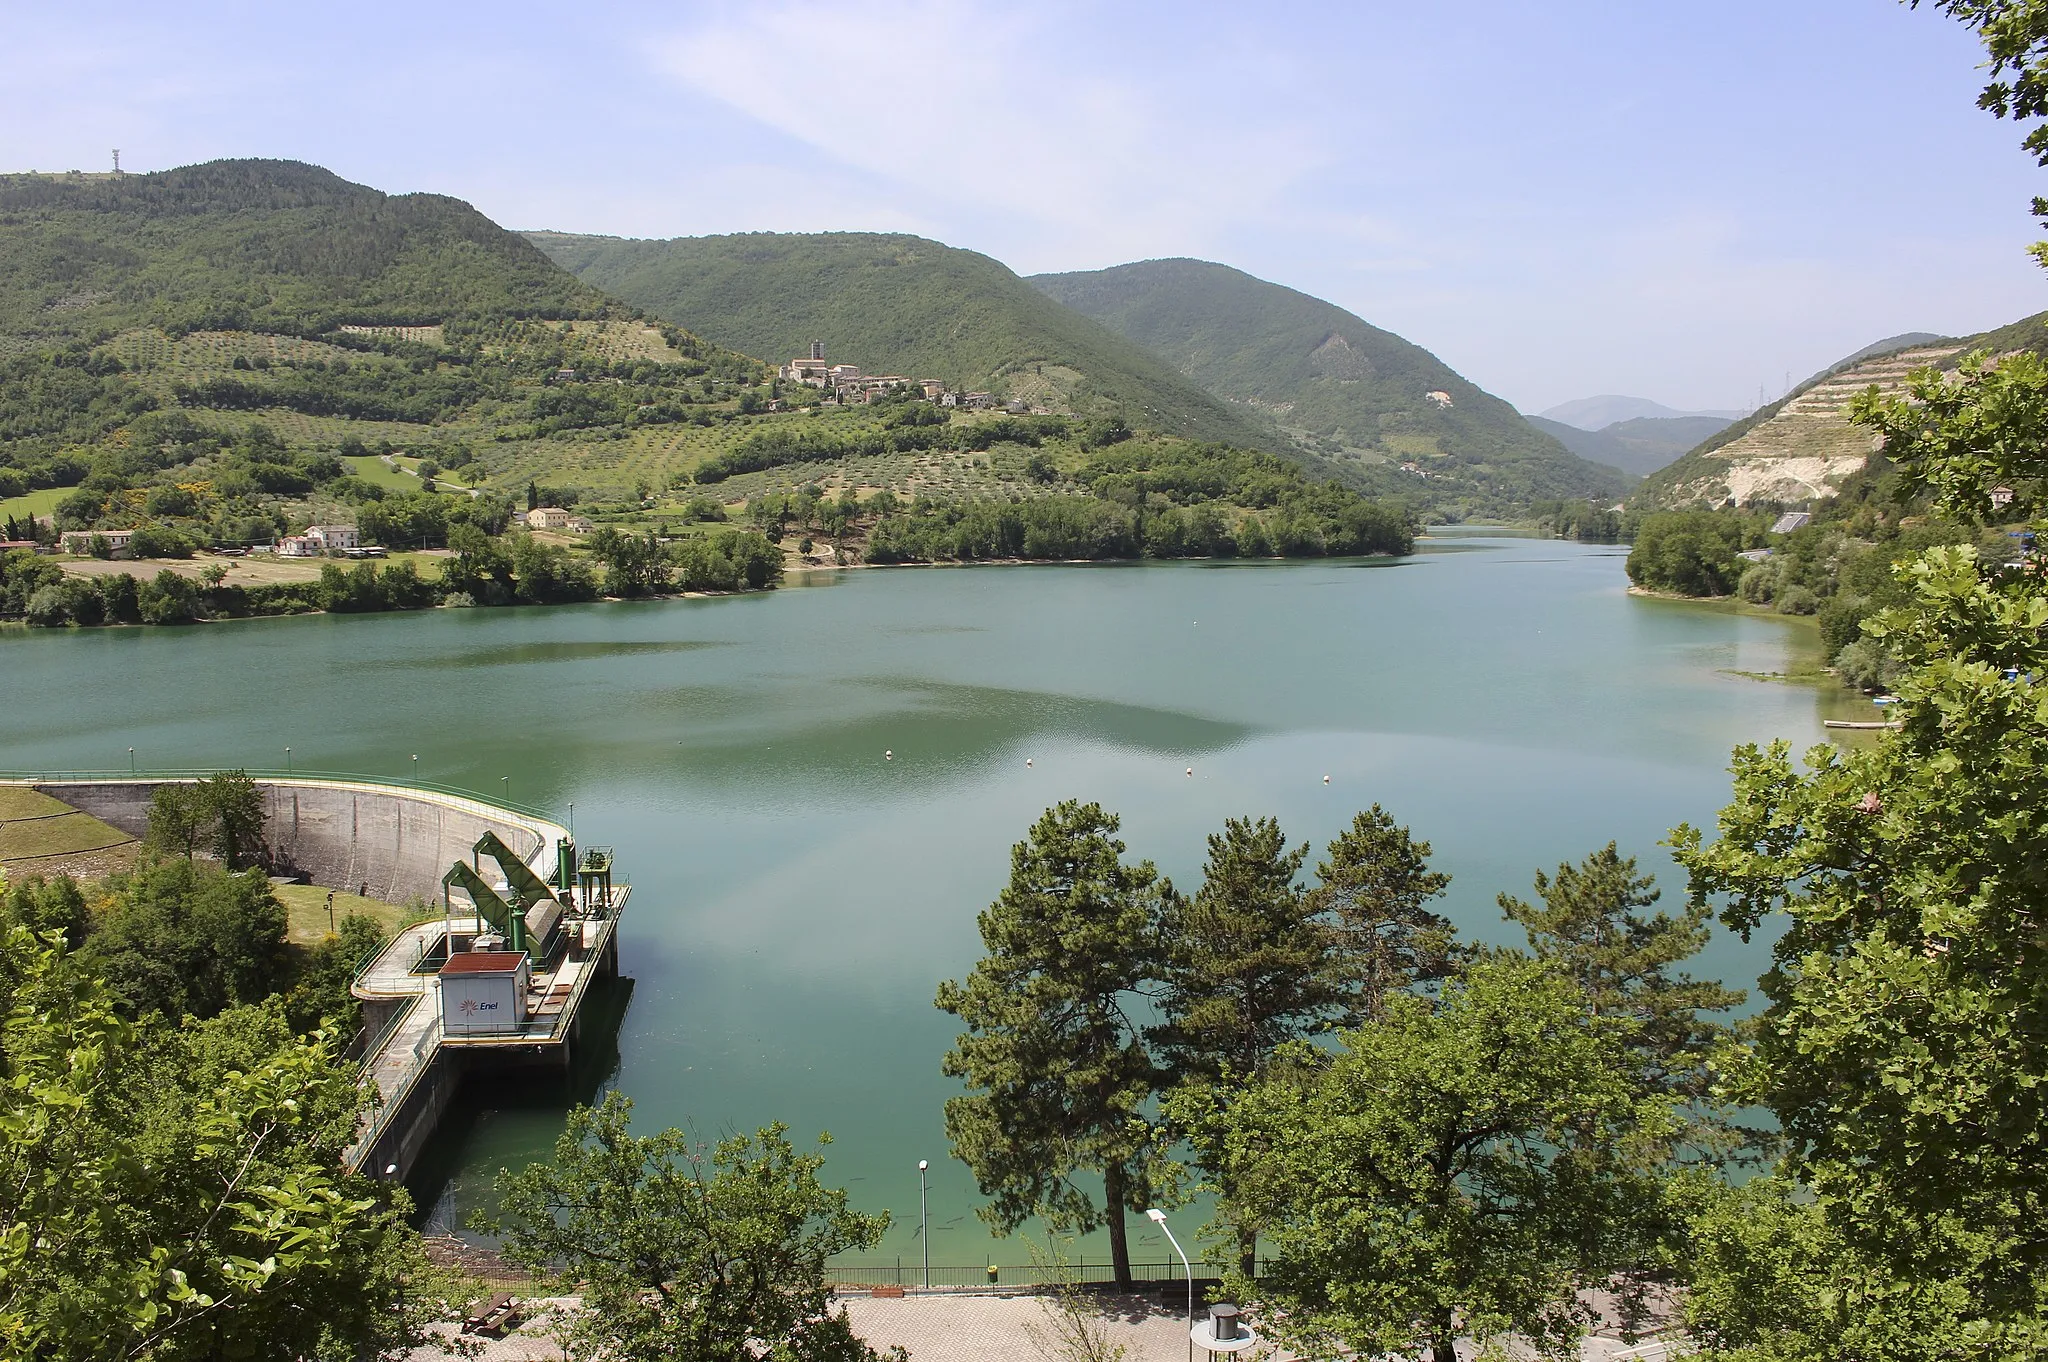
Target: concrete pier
<point>395,843</point>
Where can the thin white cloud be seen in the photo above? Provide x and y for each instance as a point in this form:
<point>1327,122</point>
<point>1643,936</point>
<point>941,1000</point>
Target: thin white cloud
<point>986,112</point>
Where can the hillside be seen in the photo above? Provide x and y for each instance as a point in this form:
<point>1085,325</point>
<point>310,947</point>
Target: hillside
<point>902,305</point>
<point>225,354</point>
<point>267,246</point>
<point>1640,445</point>
<point>1392,414</point>
<point>1802,446</point>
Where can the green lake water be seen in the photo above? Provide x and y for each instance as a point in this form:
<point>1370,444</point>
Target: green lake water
<point>797,897</point>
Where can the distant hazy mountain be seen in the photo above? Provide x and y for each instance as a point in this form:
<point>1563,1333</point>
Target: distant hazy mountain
<point>1640,446</point>
<point>1395,416</point>
<point>904,305</point>
<point>1598,413</point>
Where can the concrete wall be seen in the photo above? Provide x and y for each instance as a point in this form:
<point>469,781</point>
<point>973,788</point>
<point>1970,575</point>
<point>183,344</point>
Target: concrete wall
<point>344,835</point>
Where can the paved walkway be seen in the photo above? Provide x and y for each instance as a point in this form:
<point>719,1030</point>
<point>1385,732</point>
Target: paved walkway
<point>950,1327</point>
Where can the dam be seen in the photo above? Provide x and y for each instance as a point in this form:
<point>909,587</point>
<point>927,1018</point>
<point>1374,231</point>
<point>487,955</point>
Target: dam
<point>493,974</point>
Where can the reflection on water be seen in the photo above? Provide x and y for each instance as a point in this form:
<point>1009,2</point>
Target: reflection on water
<point>815,791</point>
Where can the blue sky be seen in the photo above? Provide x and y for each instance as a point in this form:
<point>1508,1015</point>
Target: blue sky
<point>1684,202</point>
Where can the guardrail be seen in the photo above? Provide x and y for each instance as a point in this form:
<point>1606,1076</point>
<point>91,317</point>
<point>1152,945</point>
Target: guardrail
<point>368,1050</point>
<point>257,773</point>
<point>423,1051</point>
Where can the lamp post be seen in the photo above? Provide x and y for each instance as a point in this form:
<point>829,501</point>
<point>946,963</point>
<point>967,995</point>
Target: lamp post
<point>1158,1217</point>
<point>506,781</point>
<point>923,1238</point>
<point>415,768</point>
<point>131,761</point>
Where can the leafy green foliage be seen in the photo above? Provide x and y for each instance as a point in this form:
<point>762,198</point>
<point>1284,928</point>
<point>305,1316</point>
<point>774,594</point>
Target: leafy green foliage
<point>258,246</point>
<point>184,938</point>
<point>682,1252</point>
<point>1352,396</point>
<point>1465,1165</point>
<point>173,1193</point>
<point>1594,924</point>
<point>1055,1063</point>
<point>221,814</point>
<point>1690,553</point>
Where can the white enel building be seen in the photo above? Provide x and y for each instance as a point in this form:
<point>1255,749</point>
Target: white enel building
<point>484,992</point>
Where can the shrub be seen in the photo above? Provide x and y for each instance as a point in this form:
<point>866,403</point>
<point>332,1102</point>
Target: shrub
<point>1797,600</point>
<point>1758,584</point>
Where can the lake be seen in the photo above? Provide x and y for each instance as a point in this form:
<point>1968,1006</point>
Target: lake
<point>798,895</point>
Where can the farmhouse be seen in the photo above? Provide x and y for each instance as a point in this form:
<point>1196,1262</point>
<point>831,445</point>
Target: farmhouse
<point>548,518</point>
<point>81,541</point>
<point>333,538</point>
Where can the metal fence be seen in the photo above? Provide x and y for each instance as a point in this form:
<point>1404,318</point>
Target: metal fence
<point>911,1273</point>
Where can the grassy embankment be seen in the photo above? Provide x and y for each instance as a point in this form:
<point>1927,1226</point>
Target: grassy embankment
<point>44,836</point>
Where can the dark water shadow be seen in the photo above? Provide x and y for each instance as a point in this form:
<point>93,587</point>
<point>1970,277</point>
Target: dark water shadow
<point>543,1091</point>
<point>926,727</point>
<point>519,654</point>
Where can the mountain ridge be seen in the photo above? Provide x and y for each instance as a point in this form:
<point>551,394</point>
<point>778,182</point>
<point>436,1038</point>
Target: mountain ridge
<point>1400,419</point>
<point>895,303</point>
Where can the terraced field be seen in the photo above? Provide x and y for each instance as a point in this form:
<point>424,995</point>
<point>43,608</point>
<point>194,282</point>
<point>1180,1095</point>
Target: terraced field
<point>1800,450</point>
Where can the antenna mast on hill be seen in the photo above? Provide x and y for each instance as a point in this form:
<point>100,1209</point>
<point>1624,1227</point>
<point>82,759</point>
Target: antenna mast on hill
<point>117,160</point>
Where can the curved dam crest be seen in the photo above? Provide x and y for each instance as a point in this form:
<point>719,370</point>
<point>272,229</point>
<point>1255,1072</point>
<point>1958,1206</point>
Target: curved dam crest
<point>340,834</point>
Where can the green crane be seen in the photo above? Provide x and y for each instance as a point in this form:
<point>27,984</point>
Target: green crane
<point>499,914</point>
<point>525,887</point>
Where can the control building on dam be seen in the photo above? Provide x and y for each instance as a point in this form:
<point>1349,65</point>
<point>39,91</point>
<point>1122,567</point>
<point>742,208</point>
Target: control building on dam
<point>527,923</point>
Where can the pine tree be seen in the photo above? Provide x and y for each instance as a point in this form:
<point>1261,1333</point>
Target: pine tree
<point>1373,890</point>
<point>1247,969</point>
<point>1593,922</point>
<point>1057,1067</point>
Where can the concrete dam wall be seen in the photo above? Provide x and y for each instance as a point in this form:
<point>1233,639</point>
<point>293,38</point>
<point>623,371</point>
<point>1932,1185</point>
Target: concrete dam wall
<point>344,834</point>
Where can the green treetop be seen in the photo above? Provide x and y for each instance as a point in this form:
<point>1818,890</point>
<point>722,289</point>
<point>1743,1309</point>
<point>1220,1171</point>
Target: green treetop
<point>1054,1055</point>
<point>1466,1165</point>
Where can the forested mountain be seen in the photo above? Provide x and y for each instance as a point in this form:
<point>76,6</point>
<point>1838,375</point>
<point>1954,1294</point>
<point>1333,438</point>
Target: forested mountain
<point>1640,445</point>
<point>273,246</point>
<point>903,305</point>
<point>1393,415</point>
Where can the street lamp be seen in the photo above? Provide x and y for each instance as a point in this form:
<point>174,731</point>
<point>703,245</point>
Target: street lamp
<point>131,761</point>
<point>506,781</point>
<point>1158,1217</point>
<point>287,761</point>
<point>415,768</point>
<point>922,1237</point>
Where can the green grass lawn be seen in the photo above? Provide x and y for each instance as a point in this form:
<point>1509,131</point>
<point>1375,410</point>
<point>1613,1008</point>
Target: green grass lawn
<point>372,469</point>
<point>59,834</point>
<point>19,801</point>
<point>35,503</point>
<point>305,907</point>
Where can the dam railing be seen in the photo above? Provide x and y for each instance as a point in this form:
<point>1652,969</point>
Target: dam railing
<point>143,775</point>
